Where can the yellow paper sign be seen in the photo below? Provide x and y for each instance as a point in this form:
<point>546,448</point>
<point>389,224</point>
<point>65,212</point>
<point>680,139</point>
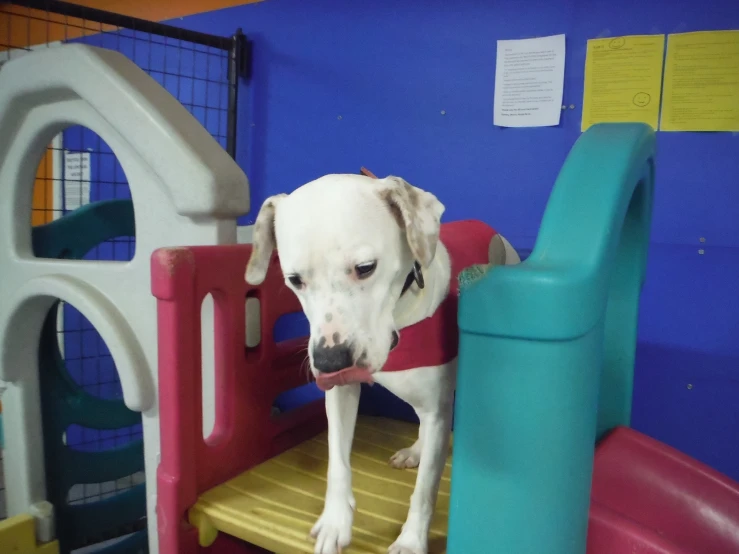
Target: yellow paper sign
<point>623,78</point>
<point>702,82</point>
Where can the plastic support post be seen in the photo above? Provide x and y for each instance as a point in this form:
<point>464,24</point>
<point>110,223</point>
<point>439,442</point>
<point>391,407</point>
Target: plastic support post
<point>43,515</point>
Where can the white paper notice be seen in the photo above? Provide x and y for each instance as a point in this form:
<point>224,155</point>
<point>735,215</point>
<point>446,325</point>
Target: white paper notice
<point>529,81</point>
<point>76,180</point>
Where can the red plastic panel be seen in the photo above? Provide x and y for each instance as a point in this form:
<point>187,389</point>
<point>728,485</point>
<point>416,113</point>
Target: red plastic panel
<point>247,380</point>
<point>660,492</point>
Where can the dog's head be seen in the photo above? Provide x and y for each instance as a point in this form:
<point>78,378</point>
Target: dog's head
<point>346,245</point>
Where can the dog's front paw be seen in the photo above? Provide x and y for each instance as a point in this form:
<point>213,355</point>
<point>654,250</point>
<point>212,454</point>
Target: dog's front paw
<point>406,458</point>
<point>408,544</point>
<point>333,530</point>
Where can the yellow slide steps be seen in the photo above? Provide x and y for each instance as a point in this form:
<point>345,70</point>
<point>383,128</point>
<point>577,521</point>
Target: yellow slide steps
<point>275,504</point>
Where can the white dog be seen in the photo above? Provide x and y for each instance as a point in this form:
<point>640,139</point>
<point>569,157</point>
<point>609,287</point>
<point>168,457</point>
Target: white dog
<point>365,259</point>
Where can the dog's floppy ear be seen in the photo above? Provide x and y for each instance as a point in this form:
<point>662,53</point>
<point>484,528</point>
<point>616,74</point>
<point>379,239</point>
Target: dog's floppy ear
<point>264,241</point>
<point>416,211</point>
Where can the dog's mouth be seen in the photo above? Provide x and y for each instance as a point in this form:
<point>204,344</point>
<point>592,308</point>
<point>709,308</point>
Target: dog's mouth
<point>349,375</point>
<point>354,374</point>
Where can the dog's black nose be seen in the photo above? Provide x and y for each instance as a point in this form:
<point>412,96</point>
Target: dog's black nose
<point>395,340</point>
<point>330,359</point>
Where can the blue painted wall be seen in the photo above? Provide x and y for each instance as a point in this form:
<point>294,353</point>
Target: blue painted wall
<point>338,85</point>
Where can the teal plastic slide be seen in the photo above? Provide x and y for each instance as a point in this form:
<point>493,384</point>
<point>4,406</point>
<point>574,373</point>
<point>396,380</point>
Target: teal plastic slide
<point>65,403</point>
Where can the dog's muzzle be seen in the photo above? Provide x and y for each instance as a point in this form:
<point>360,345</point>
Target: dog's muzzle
<point>330,359</point>
<point>335,364</point>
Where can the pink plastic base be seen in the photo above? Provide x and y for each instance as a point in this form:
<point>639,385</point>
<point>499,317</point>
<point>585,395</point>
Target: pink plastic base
<point>247,382</point>
<point>648,498</point>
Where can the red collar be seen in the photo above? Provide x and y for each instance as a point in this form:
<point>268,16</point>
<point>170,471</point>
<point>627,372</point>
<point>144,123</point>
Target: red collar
<point>435,340</point>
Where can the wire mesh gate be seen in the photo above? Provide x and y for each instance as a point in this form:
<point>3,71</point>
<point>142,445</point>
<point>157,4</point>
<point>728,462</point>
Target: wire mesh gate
<point>202,71</point>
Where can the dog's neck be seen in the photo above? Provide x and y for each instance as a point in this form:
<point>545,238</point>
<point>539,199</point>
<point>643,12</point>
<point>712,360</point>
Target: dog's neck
<point>417,303</point>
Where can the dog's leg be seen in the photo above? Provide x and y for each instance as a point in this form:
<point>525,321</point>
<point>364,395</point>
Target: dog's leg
<point>437,427</point>
<point>333,530</point>
<point>408,458</point>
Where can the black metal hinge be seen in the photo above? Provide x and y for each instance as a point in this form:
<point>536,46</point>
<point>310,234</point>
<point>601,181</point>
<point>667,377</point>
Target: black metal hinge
<point>241,54</point>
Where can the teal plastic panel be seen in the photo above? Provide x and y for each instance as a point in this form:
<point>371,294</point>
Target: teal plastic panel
<point>546,355</point>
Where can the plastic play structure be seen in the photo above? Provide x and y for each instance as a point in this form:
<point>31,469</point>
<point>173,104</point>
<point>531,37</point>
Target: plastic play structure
<point>546,355</point>
<point>186,190</point>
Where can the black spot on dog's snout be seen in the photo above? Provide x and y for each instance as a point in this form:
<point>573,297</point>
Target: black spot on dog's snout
<point>336,337</point>
<point>395,340</point>
<point>329,317</point>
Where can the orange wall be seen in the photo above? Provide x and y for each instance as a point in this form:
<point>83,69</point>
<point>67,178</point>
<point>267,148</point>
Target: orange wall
<point>21,27</point>
<point>159,11</point>
<point>23,32</point>
<point>43,191</point>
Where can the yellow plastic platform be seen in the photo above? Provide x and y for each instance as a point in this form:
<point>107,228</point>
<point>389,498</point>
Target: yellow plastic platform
<point>275,504</point>
<point>18,535</point>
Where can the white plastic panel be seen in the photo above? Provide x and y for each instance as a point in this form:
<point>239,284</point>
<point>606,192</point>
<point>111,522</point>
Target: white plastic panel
<point>186,190</point>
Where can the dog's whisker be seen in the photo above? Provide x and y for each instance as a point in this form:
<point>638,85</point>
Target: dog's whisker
<point>305,366</point>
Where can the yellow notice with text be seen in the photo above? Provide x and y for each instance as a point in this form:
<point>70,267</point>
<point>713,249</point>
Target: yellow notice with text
<point>701,82</point>
<point>623,79</point>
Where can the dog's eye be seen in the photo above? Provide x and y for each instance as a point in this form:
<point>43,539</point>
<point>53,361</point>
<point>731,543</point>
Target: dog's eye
<point>365,269</point>
<point>295,281</point>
